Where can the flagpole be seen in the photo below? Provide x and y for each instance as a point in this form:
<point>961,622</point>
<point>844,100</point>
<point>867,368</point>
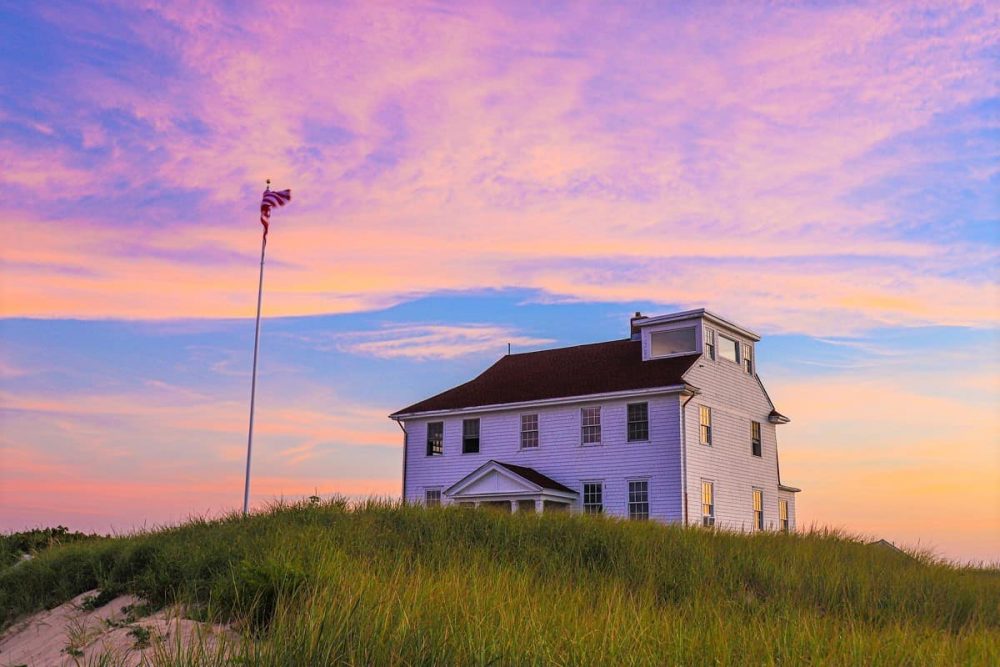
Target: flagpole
<point>253,380</point>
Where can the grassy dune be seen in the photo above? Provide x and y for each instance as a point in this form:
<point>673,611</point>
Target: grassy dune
<point>385,584</point>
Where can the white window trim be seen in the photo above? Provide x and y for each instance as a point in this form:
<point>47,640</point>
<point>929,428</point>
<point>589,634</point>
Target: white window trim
<point>784,524</point>
<point>479,436</point>
<point>744,347</point>
<point>583,496</point>
<point>686,325</point>
<point>714,505</point>
<point>628,498</point>
<point>757,527</point>
<point>649,434</point>
<point>711,426</point>
<point>537,431</point>
<point>440,492</point>
<point>427,439</point>
<point>739,349</point>
<point>600,426</point>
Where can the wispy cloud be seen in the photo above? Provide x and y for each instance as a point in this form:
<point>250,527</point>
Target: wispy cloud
<point>434,341</point>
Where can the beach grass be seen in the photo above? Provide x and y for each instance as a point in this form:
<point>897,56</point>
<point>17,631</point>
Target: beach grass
<point>380,583</point>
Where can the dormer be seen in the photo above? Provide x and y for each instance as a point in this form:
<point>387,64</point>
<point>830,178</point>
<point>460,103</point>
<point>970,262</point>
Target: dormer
<point>694,331</point>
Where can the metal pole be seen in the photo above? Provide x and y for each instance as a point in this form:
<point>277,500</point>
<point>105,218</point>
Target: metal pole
<point>253,380</point>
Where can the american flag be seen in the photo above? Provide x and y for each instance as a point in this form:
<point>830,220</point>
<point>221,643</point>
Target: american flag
<point>272,198</point>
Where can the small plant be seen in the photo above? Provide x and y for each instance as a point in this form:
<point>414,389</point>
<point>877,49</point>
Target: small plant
<point>92,602</point>
<point>141,635</point>
<point>78,636</point>
<point>72,651</point>
<point>133,612</point>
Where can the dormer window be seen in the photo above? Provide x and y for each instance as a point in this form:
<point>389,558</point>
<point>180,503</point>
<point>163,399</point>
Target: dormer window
<point>729,349</point>
<point>672,342</point>
<point>748,358</point>
<point>710,343</point>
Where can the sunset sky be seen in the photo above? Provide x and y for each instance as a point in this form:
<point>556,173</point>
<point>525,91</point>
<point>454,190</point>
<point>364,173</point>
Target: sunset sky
<point>470,174</point>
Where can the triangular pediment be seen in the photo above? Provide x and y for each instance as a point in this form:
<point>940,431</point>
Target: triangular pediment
<point>492,479</point>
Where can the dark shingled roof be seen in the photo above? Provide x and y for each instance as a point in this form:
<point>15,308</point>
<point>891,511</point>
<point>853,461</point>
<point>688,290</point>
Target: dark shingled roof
<point>535,477</point>
<point>567,371</point>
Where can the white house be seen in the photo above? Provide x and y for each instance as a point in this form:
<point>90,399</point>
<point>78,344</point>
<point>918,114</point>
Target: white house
<point>672,423</point>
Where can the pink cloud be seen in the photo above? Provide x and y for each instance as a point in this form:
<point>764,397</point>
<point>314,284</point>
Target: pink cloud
<point>515,157</point>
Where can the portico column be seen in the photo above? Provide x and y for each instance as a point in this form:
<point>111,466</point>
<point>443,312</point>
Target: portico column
<point>513,507</point>
<point>539,506</point>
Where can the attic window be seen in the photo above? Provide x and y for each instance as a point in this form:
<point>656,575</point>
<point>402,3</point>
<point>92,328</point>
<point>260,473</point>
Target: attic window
<point>674,341</point>
<point>729,349</point>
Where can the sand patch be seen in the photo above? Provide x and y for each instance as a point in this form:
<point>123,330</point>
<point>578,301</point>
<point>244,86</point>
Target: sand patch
<point>73,633</point>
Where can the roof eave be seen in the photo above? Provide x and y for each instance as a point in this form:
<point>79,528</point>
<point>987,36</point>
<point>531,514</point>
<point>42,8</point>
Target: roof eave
<point>716,319</point>
<point>790,489</point>
<point>544,402</point>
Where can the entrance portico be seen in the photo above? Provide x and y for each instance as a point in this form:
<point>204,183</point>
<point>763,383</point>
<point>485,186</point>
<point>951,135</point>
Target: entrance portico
<point>510,488</point>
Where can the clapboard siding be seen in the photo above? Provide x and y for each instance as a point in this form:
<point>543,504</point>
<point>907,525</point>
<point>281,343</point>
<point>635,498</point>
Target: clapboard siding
<point>736,399</point>
<point>560,454</point>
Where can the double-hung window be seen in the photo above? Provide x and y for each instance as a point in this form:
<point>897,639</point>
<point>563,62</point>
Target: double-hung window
<point>758,509</point>
<point>590,426</point>
<point>705,422</point>
<point>638,422</point>
<point>707,504</point>
<point>755,447</point>
<point>638,499</point>
<point>529,431</point>
<point>470,436</point>
<point>593,497</point>
<point>435,438</point>
<point>783,515</point>
<point>710,343</point>
<point>748,358</point>
<point>432,497</point>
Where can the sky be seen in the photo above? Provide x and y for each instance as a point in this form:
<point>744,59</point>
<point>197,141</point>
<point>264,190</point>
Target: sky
<point>471,174</point>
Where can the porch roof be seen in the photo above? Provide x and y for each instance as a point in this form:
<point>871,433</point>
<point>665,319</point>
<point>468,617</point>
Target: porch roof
<point>495,478</point>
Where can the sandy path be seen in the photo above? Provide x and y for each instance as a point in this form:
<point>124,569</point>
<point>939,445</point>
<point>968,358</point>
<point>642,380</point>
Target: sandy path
<point>69,635</point>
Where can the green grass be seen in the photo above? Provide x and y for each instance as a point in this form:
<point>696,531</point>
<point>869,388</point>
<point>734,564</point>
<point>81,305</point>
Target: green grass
<point>389,584</point>
<point>15,546</point>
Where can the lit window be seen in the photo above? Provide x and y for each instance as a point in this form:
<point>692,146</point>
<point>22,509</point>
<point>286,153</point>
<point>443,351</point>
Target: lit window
<point>529,431</point>
<point>729,349</point>
<point>638,499</point>
<point>748,358</point>
<point>593,497</point>
<point>675,341</point>
<point>432,497</point>
<point>435,438</point>
<point>590,426</point>
<point>470,436</point>
<point>758,509</point>
<point>705,419</point>
<point>707,504</point>
<point>783,515</point>
<point>710,343</point>
<point>638,422</point>
<point>755,438</point>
